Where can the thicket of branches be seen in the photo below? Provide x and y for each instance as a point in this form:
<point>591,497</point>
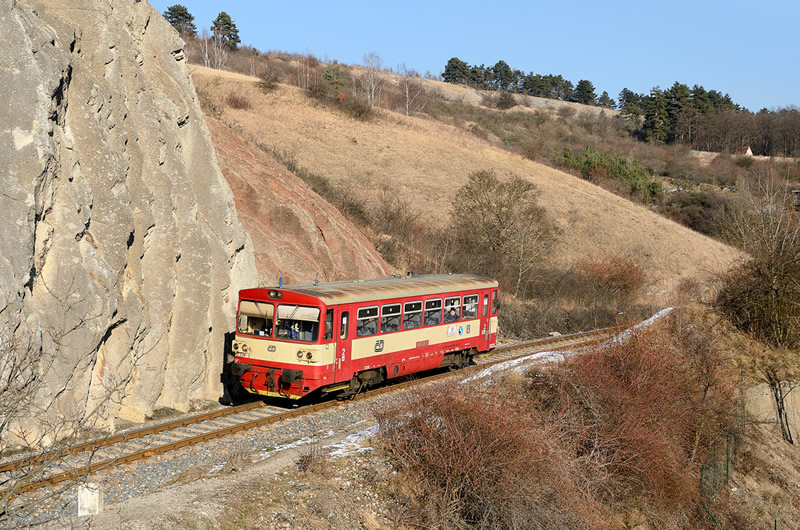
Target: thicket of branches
<point>578,444</point>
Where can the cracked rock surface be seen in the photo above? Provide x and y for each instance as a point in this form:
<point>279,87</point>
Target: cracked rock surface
<point>122,252</point>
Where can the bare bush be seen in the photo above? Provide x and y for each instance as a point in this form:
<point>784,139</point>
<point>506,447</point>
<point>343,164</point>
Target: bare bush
<point>238,101</point>
<point>644,411</point>
<point>480,462</point>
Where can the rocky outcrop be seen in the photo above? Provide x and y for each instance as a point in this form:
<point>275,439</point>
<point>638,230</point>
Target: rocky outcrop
<point>297,235</point>
<point>122,253</point>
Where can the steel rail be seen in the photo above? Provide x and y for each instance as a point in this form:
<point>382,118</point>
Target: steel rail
<point>563,341</point>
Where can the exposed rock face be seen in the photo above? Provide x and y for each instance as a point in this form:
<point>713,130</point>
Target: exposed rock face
<point>296,234</point>
<point>122,253</point>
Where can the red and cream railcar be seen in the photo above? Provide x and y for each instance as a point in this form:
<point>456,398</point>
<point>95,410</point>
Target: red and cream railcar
<point>345,336</point>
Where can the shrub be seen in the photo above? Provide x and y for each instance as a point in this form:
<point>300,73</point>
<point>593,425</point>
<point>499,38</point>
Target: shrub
<point>238,101</point>
<point>480,461</point>
<point>645,411</point>
<point>614,279</point>
<point>596,165</point>
<point>357,108</point>
<point>506,101</point>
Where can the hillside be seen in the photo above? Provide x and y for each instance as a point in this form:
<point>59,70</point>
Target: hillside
<point>296,234</point>
<point>427,161</point>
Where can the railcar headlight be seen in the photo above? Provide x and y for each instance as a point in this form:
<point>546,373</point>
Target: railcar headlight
<point>299,354</point>
<point>309,355</point>
<point>244,348</point>
<point>235,346</point>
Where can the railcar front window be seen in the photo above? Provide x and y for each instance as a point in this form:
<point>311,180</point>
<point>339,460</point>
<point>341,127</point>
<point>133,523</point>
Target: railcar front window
<point>297,322</point>
<point>390,318</point>
<point>433,312</point>
<point>471,306</point>
<point>412,316</point>
<point>255,318</point>
<point>367,321</point>
<point>452,309</point>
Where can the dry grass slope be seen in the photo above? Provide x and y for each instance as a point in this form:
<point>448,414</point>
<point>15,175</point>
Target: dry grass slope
<point>428,161</point>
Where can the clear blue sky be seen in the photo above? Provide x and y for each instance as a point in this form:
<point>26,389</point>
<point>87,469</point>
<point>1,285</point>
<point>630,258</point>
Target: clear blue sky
<point>747,49</point>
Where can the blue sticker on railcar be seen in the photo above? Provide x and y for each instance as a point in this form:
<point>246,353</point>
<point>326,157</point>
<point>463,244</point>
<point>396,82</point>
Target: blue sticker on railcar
<point>460,330</point>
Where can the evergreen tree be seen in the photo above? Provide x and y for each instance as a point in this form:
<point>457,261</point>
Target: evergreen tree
<point>584,92</point>
<point>605,101</point>
<point>503,77</point>
<point>677,104</point>
<point>630,104</point>
<point>224,28</point>
<point>181,20</point>
<point>455,71</point>
<point>655,117</point>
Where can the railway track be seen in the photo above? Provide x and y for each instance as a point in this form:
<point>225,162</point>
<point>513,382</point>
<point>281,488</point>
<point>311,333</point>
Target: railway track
<point>77,461</point>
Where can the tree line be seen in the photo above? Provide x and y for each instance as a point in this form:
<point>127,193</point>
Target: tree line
<point>707,120</point>
<point>502,77</point>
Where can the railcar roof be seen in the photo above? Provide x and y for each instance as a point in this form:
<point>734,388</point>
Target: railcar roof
<point>347,292</point>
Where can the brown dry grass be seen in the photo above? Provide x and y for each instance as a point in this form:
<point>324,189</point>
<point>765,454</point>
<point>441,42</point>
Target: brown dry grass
<point>428,161</point>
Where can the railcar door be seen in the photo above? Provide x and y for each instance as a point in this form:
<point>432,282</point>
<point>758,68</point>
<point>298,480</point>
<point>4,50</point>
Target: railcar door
<point>342,366</point>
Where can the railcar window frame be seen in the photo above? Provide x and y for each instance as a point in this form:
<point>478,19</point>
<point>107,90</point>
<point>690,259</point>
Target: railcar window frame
<point>470,301</point>
<point>430,317</point>
<point>290,327</point>
<point>370,314</point>
<point>390,321</point>
<point>328,325</point>
<point>413,315</point>
<point>256,322</point>
<point>452,303</point>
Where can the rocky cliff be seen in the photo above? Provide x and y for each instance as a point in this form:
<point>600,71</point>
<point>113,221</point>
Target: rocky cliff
<point>122,253</point>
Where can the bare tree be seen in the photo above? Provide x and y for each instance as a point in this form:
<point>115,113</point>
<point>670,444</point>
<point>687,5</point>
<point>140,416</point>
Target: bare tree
<point>369,84</point>
<point>415,97</point>
<point>219,52</point>
<point>205,48</point>
<point>762,296</point>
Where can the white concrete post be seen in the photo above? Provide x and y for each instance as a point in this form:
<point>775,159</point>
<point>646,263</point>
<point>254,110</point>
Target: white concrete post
<point>90,499</point>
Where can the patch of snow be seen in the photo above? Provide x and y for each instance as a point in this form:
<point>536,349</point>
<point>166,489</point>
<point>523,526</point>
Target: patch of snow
<point>352,444</point>
<point>543,356</point>
<point>217,467</point>
<point>522,363</point>
<point>623,336</point>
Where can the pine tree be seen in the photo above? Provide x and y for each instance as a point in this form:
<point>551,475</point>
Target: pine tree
<point>655,117</point>
<point>503,76</point>
<point>181,20</point>
<point>224,28</point>
<point>605,101</point>
<point>455,71</point>
<point>584,92</point>
<point>630,104</point>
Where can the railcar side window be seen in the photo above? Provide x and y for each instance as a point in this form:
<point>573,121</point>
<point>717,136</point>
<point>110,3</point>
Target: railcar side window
<point>390,318</point>
<point>367,322</point>
<point>452,309</point>
<point>433,312</point>
<point>329,324</point>
<point>343,326</point>
<point>412,316</point>
<point>471,306</point>
<point>255,318</point>
<point>495,302</point>
<point>297,322</point>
